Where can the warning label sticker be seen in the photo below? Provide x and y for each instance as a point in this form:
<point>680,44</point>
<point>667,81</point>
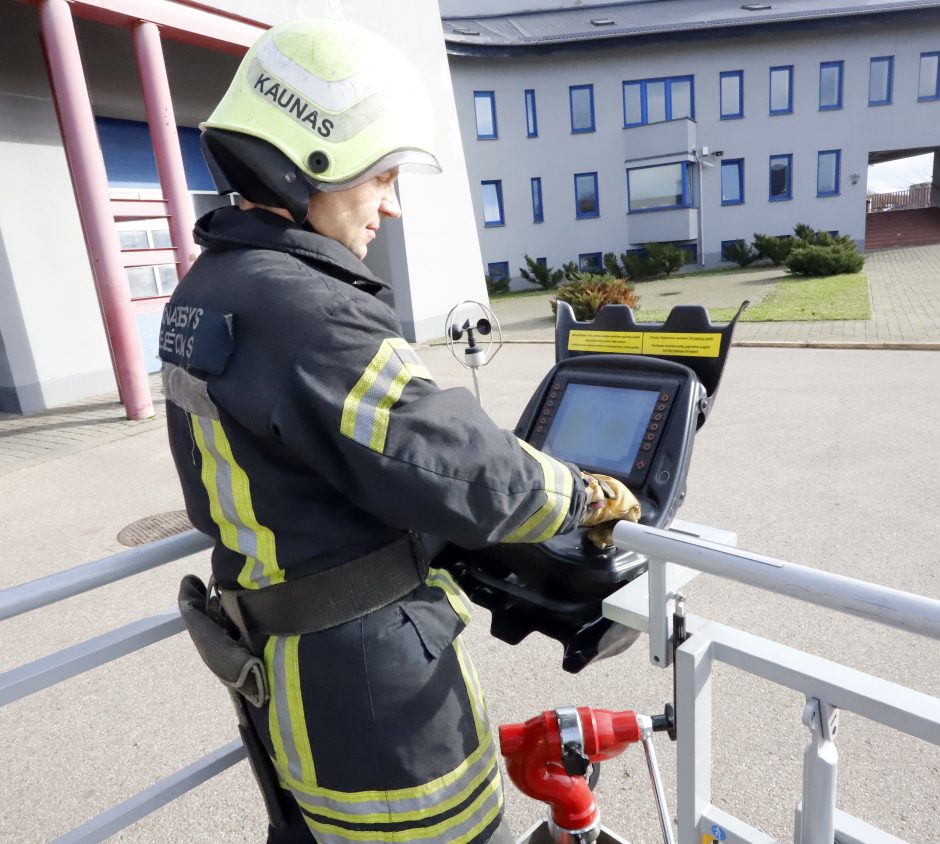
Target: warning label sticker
<point>646,343</point>
<point>608,342</point>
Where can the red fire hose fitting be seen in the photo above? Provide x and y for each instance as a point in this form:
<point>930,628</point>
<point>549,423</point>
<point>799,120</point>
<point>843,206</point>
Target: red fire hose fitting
<point>536,755</point>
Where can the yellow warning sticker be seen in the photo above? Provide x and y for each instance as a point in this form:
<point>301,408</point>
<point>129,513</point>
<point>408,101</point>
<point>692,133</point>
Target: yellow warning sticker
<point>646,343</point>
<point>682,345</point>
<point>607,342</point>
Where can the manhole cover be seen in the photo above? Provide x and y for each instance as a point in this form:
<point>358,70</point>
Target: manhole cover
<point>151,528</point>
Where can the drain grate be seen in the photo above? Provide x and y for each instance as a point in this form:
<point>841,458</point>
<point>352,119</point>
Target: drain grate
<point>151,528</point>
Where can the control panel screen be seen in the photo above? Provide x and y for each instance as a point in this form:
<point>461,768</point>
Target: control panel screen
<point>602,426</point>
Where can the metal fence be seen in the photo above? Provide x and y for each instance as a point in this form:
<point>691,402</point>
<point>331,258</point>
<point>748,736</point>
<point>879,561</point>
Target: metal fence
<point>92,653</point>
<point>918,196</point>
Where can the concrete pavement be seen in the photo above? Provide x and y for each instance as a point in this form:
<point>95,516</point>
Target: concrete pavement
<point>824,456</point>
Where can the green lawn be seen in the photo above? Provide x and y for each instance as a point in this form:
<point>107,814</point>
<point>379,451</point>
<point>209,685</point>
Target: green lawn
<point>797,299</point>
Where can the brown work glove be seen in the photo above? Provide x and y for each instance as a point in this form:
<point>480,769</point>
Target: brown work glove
<point>608,501</point>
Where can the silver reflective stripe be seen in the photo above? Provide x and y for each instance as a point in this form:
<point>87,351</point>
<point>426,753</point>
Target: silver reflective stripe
<point>353,806</point>
<point>281,701</point>
<point>335,95</point>
<point>187,391</point>
<point>247,540</point>
<point>370,404</point>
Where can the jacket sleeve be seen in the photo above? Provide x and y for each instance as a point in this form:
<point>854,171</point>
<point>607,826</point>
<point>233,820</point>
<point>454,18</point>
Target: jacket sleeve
<point>362,410</point>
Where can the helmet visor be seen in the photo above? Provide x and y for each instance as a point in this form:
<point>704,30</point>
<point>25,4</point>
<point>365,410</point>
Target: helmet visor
<point>409,160</point>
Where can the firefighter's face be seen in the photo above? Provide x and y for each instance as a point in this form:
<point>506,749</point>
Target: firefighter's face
<point>352,217</point>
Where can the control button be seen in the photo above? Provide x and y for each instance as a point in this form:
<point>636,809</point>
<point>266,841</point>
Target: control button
<point>641,464</point>
<point>660,407</point>
<point>540,429</point>
<point>663,476</point>
<point>646,446</point>
<point>650,437</point>
<point>550,403</point>
<point>664,397</point>
<point>654,426</point>
<point>658,417</point>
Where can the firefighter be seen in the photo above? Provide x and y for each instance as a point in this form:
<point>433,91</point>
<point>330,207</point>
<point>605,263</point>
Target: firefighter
<point>313,445</point>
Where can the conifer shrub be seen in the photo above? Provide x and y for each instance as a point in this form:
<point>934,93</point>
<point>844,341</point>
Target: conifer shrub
<point>540,274</point>
<point>740,252</point>
<point>587,293</point>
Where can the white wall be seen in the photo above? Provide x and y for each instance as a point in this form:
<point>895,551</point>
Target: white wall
<point>52,342</point>
<point>556,154</point>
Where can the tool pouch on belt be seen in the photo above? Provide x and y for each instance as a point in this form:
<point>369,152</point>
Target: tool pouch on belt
<point>216,639</point>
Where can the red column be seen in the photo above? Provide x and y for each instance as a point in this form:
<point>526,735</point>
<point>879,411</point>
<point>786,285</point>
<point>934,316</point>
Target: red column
<point>77,123</point>
<point>166,144</point>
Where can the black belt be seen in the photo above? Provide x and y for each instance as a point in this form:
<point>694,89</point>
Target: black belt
<point>332,597</point>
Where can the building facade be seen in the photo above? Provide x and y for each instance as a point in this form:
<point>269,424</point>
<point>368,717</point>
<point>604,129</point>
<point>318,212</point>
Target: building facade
<point>98,192</point>
<point>695,122</point>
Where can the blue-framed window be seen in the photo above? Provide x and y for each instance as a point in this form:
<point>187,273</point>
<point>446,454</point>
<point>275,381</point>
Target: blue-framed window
<point>586,202</point>
<point>493,203</point>
<point>830,85</point>
<point>726,244</point>
<point>531,117</point>
<point>656,100</point>
<point>538,215</point>
<point>591,262</point>
<point>497,270</point>
<point>781,90</point>
<point>828,166</point>
<point>484,106</point>
<point>781,177</point>
<point>542,262</point>
<point>928,86</point>
<point>731,94</point>
<point>732,181</point>
<point>880,80</point>
<point>659,187</point>
<point>581,100</point>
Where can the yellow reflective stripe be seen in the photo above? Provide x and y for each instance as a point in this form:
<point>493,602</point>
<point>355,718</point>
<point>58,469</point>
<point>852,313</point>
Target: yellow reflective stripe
<point>366,409</point>
<point>231,508</point>
<point>437,832</point>
<point>227,531</point>
<point>389,815</point>
<point>274,726</point>
<point>475,692</point>
<point>296,707</point>
<point>545,521</point>
<point>425,790</point>
<point>457,597</point>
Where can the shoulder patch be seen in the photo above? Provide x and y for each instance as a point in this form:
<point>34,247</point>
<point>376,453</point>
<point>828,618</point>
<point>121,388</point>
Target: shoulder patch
<point>194,337</point>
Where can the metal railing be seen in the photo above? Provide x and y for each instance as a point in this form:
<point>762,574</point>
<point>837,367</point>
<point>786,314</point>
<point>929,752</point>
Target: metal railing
<point>99,650</point>
<point>674,558</point>
<point>919,196</point>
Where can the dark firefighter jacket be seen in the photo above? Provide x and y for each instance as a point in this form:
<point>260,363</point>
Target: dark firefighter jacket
<point>307,432</point>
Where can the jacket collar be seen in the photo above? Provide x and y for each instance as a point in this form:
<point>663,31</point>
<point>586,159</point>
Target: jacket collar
<point>232,228</point>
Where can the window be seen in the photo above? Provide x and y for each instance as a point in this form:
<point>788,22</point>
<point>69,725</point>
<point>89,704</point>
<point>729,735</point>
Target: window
<point>493,203</point>
<point>590,262</point>
<point>542,262</point>
<point>827,172</point>
<point>531,119</point>
<point>727,245</point>
<point>830,85</point>
<point>929,86</point>
<point>880,80</point>
<point>732,94</point>
<point>655,100</point>
<point>732,182</point>
<point>537,215</point>
<point>663,186</point>
<point>148,281</point>
<point>497,270</point>
<point>582,107</point>
<point>484,104</point>
<point>781,90</point>
<point>781,175</point>
<point>585,195</point>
